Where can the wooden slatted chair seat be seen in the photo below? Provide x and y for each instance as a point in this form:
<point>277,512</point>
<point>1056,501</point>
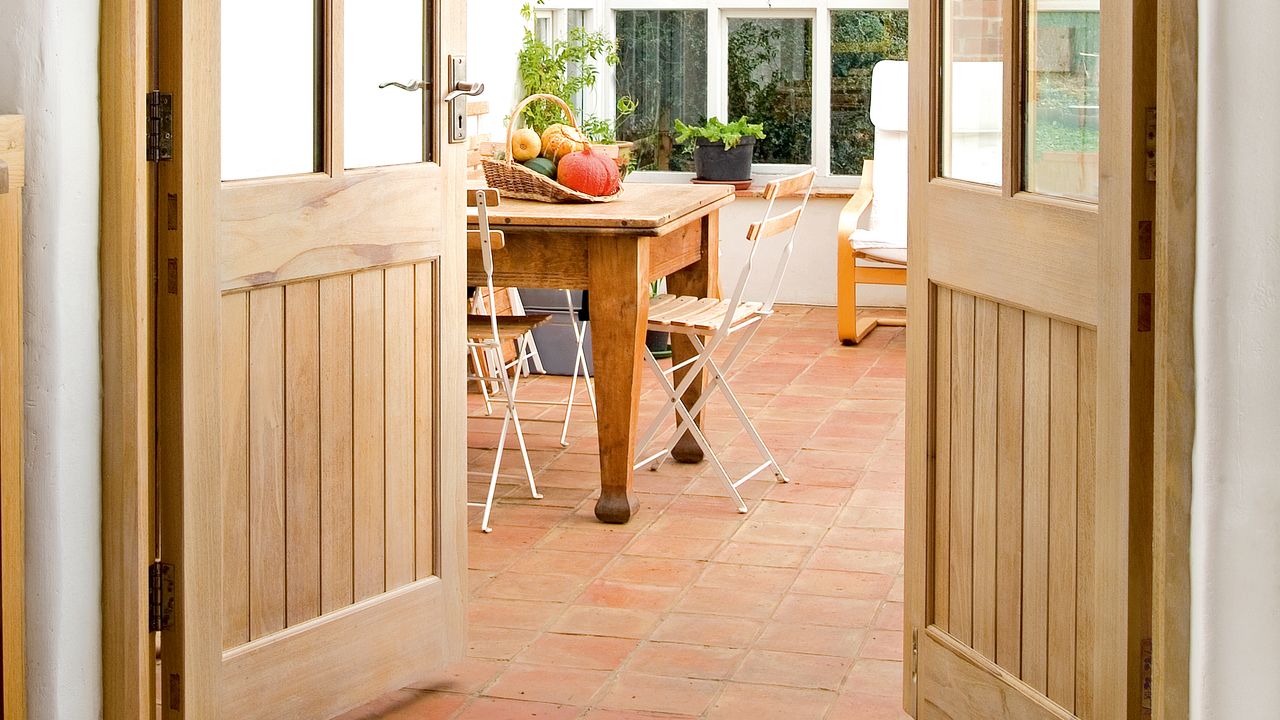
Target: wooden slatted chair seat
<point>708,324</point>
<point>669,313</point>
<point>509,326</point>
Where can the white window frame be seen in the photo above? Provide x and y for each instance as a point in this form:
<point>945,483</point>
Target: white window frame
<point>718,14</point>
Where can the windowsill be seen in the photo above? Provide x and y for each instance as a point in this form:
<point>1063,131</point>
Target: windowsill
<point>835,188</point>
<point>820,192</point>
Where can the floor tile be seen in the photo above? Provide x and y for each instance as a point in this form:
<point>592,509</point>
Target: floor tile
<point>739,701</point>
<point>577,651</point>
<point>654,693</point>
<point>548,684</point>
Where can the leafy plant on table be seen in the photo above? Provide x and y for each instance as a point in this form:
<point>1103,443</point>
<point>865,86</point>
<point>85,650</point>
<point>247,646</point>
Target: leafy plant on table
<point>565,68</point>
<point>715,131</point>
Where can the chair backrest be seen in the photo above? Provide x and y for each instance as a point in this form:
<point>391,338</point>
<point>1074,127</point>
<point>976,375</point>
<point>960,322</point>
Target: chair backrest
<point>775,224</point>
<point>889,103</point>
<point>485,239</point>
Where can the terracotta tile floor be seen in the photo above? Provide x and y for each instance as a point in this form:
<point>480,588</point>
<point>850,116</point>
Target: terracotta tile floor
<point>691,610</point>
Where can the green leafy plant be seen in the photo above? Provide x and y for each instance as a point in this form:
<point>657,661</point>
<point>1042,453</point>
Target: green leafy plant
<point>566,68</point>
<point>715,131</point>
<point>603,130</point>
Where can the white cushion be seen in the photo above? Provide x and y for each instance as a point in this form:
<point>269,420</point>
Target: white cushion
<point>893,256</point>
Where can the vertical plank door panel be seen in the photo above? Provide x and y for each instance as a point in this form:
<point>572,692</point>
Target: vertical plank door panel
<point>424,368</point>
<point>1086,457</point>
<point>369,492</point>
<point>986,433</point>
<point>1035,499</point>
<point>235,469</point>
<point>1009,493</point>
<point>336,554</point>
<point>1062,514</point>
<point>302,450</point>
<point>267,462</point>
<point>942,460</point>
<point>962,317</point>
<point>399,434</point>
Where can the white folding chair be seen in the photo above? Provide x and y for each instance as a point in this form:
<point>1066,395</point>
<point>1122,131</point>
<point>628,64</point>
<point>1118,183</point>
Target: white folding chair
<point>486,335</point>
<point>709,323</point>
<point>580,367</point>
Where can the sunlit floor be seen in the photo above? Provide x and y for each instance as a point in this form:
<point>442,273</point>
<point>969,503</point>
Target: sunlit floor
<point>691,610</point>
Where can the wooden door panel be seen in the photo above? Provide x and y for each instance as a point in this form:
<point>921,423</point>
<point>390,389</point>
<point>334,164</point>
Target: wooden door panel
<point>1030,251</point>
<point>289,228</point>
<point>313,669</point>
<point>329,450</point>
<point>957,684</point>
<point>1013,489</point>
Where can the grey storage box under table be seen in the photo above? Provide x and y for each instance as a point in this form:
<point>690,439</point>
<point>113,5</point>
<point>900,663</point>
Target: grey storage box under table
<point>555,340</point>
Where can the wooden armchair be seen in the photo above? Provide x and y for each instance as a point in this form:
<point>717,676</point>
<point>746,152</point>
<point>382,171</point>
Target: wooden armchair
<point>873,224</point>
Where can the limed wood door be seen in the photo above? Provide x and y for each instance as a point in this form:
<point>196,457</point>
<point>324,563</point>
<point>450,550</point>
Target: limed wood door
<point>1028,525</point>
<point>310,313</point>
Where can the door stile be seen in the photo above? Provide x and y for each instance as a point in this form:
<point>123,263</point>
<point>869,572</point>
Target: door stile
<point>128,266</point>
<point>1125,358</point>
<point>187,350</point>
<point>451,400</point>
<point>334,124</point>
<point>921,295</point>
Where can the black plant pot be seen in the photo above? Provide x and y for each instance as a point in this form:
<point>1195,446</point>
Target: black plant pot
<point>659,343</point>
<point>712,162</point>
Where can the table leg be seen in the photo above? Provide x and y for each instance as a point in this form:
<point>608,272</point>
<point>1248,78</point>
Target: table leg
<point>618,270</point>
<point>702,279</point>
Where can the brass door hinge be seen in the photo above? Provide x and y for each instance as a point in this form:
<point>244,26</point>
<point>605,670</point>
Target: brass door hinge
<point>1152,160</point>
<point>1148,677</point>
<point>163,597</point>
<point>159,126</point>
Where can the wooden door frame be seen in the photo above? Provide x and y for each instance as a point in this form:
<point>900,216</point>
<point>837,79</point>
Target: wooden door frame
<point>13,662</point>
<point>1173,209</point>
<point>129,317</point>
<point>128,657</point>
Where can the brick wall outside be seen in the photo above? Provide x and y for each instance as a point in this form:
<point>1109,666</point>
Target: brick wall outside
<point>976,27</point>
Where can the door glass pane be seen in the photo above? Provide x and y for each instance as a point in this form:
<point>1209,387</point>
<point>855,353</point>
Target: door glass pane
<point>973,91</point>
<point>385,41</point>
<point>859,40</point>
<point>1062,99</point>
<point>270,89</point>
<point>662,65</point>
<point>771,82</point>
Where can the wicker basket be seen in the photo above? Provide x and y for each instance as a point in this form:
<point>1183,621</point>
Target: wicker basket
<point>517,181</point>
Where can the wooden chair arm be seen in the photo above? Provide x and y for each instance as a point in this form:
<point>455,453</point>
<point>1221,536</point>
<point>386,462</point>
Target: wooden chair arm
<point>851,215</point>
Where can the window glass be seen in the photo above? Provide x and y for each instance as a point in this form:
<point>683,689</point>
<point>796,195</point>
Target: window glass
<point>270,128</point>
<point>382,42</point>
<point>973,91</point>
<point>579,23</point>
<point>1062,101</point>
<point>662,65</point>
<point>859,40</point>
<point>771,82</point>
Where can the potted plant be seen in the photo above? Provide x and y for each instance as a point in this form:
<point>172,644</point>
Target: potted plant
<point>723,151</point>
<point>567,68</point>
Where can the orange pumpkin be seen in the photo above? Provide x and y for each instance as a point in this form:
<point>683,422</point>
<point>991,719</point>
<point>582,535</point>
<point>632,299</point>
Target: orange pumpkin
<point>560,140</point>
<point>589,172</point>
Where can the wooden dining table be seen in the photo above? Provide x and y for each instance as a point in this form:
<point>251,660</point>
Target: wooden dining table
<point>615,250</point>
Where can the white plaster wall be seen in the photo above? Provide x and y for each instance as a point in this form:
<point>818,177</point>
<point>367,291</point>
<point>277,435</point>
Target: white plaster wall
<point>49,73</point>
<point>494,33</point>
<point>1236,506</point>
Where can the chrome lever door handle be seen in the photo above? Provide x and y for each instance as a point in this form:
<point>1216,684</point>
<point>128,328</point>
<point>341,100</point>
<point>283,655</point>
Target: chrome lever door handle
<point>464,88</point>
<point>411,86</point>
